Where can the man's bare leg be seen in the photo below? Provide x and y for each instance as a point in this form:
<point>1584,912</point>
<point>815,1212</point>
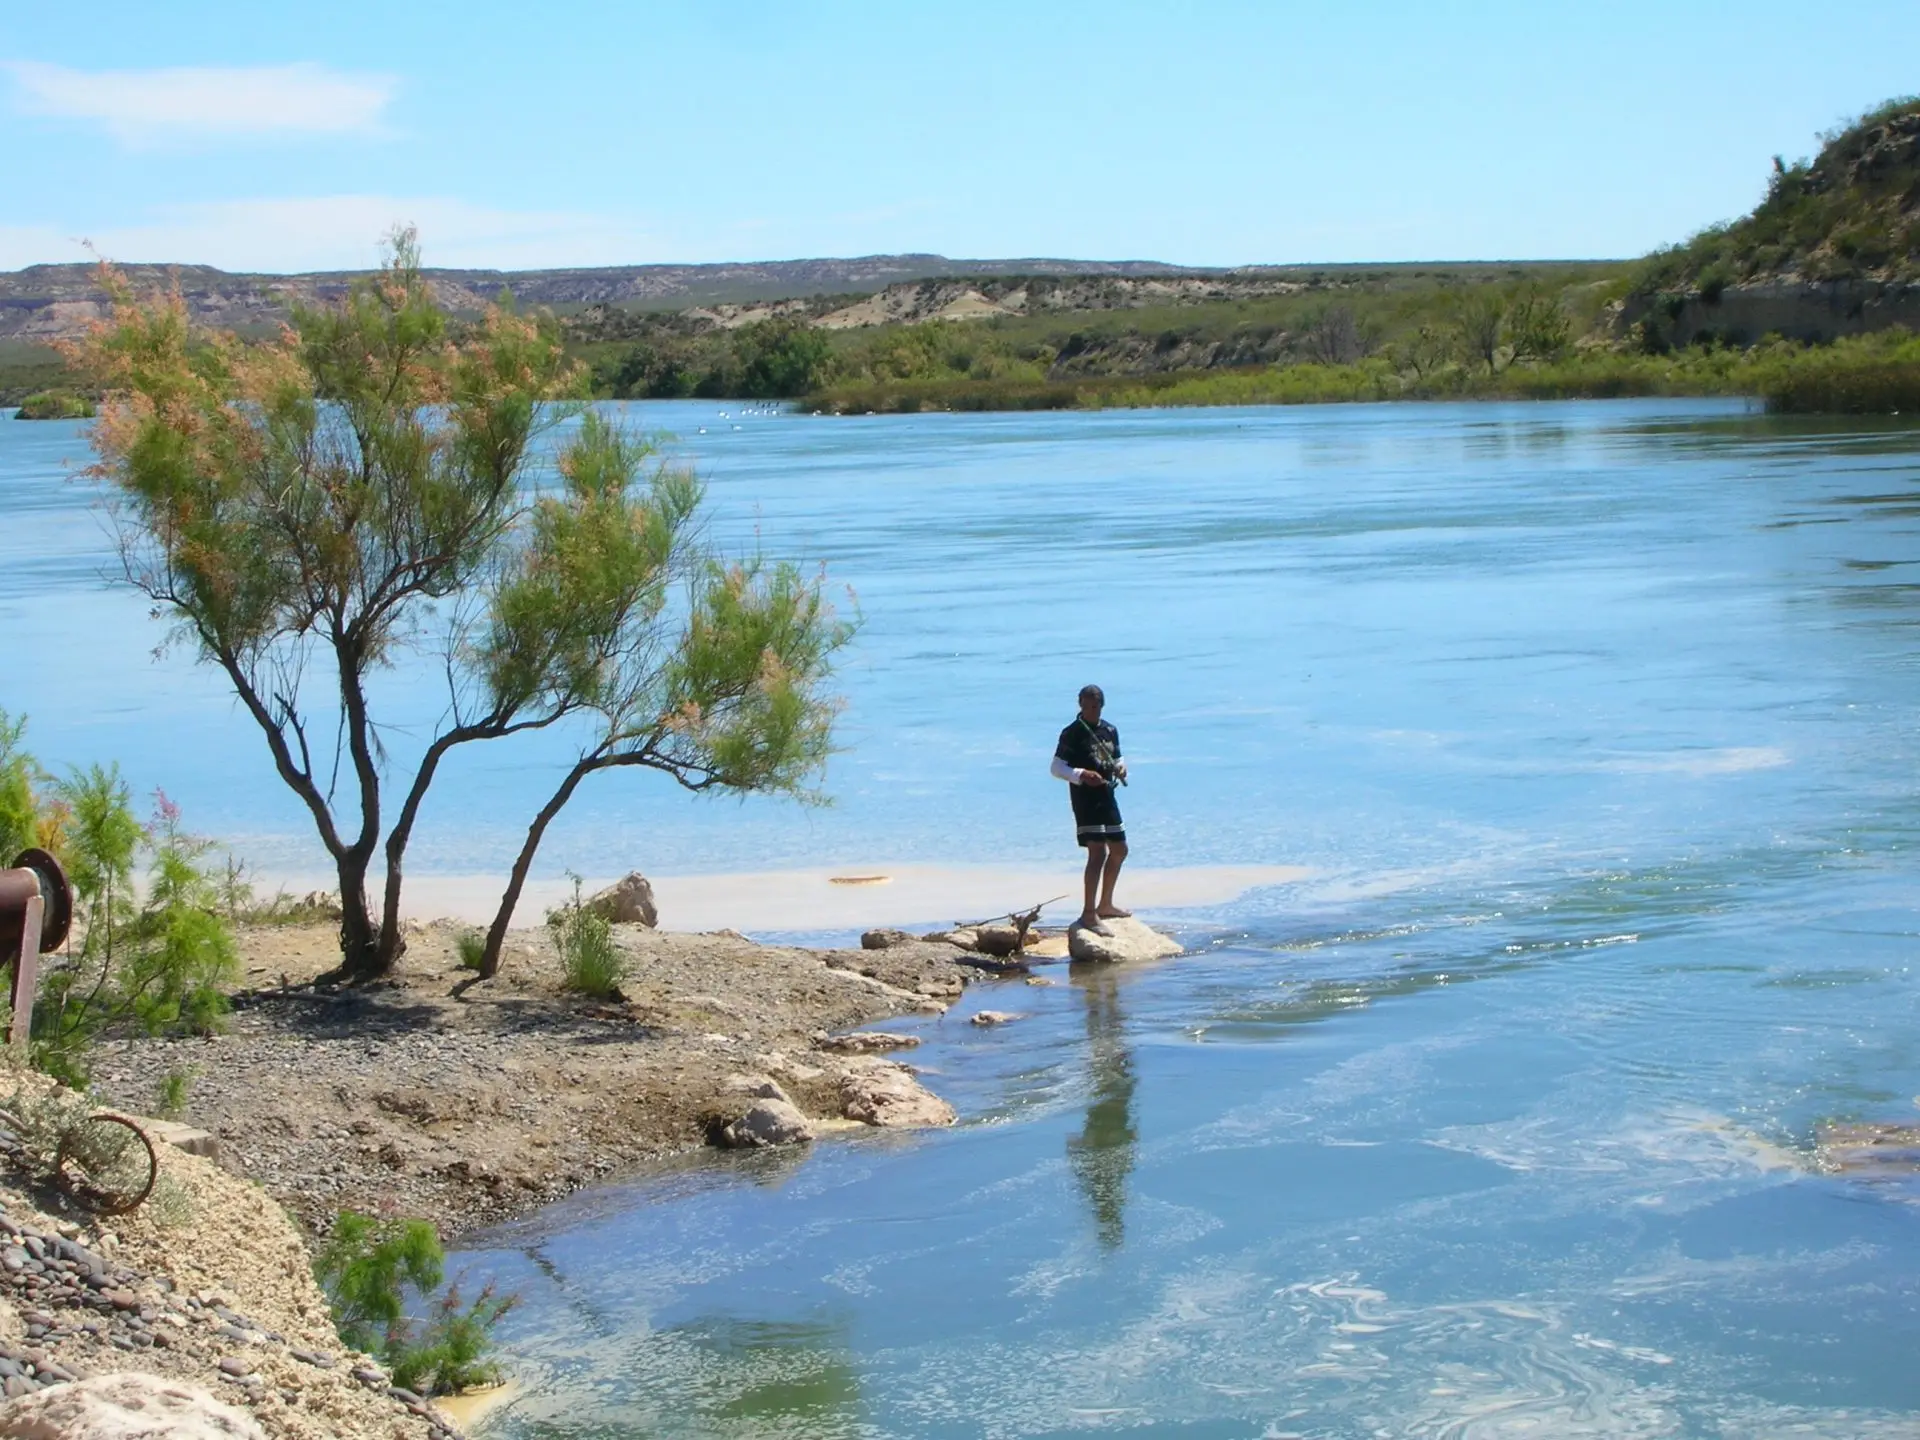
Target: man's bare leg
<point>1116,857</point>
<point>1096,865</point>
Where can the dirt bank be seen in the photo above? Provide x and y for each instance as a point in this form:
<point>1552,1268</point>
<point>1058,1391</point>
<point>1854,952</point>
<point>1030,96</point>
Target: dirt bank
<point>471,1103</point>
<point>209,1283</point>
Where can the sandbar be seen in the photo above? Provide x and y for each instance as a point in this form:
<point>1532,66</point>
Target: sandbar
<point>822,900</point>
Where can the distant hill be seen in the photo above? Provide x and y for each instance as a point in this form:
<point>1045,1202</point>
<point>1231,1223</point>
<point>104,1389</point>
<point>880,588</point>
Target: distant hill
<point>46,302</point>
<point>1833,249</point>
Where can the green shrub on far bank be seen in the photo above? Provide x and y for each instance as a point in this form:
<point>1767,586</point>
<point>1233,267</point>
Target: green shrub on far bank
<point>1863,375</point>
<point>366,1268</point>
<point>1869,374</point>
<point>55,405</point>
<point>1863,388</point>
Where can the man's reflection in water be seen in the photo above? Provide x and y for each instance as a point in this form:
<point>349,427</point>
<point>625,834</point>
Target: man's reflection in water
<point>1101,1155</point>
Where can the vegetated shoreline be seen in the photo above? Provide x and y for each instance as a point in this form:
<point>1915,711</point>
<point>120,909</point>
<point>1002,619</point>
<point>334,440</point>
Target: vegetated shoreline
<point>471,1104</point>
<point>1874,374</point>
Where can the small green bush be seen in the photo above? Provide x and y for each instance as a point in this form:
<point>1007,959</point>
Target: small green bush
<point>366,1269</point>
<point>451,1353</point>
<point>591,964</point>
<point>471,947</point>
<point>152,961</point>
<point>19,811</point>
<point>105,1155</point>
<point>171,1094</point>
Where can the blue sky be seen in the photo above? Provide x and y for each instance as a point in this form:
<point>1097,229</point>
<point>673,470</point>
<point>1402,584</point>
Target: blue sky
<point>288,137</point>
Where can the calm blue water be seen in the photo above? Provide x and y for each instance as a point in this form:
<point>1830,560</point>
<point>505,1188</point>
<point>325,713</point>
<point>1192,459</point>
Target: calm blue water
<point>1596,720</point>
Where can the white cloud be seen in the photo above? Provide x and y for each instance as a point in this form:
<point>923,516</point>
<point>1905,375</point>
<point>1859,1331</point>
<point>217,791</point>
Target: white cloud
<point>148,107</point>
<point>342,232</point>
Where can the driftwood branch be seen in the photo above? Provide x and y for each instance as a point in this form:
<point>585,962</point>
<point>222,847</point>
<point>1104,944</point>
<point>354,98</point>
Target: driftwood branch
<point>1023,920</point>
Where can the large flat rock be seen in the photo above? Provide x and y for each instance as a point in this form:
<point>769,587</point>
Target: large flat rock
<point>189,1138</point>
<point>886,1094</point>
<point>1126,939</point>
<point>125,1406</point>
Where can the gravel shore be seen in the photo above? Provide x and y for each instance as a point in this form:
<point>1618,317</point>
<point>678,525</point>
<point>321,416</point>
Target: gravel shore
<point>469,1104</point>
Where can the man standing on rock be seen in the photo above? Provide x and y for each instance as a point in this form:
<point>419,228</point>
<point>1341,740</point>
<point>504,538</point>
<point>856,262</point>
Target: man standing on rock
<point>1088,759</point>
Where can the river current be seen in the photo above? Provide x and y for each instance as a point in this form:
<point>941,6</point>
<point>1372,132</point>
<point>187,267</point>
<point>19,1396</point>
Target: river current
<point>1595,724</point>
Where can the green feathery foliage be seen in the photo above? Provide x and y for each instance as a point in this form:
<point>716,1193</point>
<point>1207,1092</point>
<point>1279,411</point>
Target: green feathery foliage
<point>590,962</point>
<point>360,494</point>
<point>156,962</point>
<point>366,1268</point>
<point>19,812</point>
<point>470,948</point>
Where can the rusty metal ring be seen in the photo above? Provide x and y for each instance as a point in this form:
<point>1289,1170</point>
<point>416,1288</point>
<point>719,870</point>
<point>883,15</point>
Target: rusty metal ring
<point>56,890</point>
<point>104,1202</point>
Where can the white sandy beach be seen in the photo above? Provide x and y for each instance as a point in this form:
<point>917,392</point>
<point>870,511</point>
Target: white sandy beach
<point>848,897</point>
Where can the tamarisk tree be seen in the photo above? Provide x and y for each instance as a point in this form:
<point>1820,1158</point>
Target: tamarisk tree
<point>358,494</point>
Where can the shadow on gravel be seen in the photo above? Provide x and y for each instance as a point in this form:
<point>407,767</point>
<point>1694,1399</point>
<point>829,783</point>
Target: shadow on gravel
<point>357,1014</point>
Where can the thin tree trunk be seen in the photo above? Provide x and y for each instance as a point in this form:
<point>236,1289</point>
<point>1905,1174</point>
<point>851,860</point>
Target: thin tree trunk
<point>497,933</point>
<point>363,955</point>
<point>391,946</point>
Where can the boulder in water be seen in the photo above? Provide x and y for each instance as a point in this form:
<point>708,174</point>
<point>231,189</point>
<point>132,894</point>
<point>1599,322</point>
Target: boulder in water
<point>1126,939</point>
<point>768,1122</point>
<point>883,1093</point>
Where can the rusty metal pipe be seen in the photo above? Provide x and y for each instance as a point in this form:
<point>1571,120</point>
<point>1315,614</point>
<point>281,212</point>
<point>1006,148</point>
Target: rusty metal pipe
<point>35,872</point>
<point>36,911</point>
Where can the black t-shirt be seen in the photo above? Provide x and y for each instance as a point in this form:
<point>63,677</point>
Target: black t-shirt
<point>1091,747</point>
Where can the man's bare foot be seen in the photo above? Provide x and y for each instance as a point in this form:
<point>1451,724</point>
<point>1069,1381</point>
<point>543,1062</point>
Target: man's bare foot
<point>1090,922</point>
<point>1114,912</point>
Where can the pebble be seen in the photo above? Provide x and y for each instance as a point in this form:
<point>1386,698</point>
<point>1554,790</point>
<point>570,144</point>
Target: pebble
<point>234,1367</point>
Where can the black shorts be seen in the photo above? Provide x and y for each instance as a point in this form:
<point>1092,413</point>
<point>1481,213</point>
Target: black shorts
<point>1096,815</point>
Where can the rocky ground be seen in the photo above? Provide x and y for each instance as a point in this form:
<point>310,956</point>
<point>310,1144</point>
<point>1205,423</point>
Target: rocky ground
<point>471,1103</point>
<point>208,1283</point>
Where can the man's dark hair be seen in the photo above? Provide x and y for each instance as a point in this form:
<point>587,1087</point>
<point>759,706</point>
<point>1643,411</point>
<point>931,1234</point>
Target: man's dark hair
<point>1095,691</point>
